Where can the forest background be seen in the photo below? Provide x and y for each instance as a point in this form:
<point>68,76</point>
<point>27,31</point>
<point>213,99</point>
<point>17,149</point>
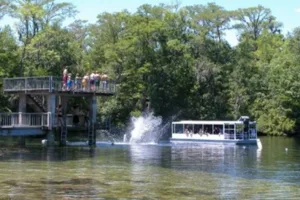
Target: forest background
<point>174,56</point>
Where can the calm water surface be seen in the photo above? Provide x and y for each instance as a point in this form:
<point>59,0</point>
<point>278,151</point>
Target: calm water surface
<point>203,171</point>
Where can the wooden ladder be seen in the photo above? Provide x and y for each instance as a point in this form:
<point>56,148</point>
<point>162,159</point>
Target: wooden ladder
<point>63,131</point>
<point>91,133</point>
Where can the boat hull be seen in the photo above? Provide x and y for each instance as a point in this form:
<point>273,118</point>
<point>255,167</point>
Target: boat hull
<point>229,141</point>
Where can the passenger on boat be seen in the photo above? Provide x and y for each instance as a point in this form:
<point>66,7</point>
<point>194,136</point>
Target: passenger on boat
<point>186,131</point>
<point>216,131</point>
<point>206,131</point>
<point>200,132</point>
<point>191,131</point>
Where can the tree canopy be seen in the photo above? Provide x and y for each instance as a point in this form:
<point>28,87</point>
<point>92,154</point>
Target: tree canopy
<point>175,57</point>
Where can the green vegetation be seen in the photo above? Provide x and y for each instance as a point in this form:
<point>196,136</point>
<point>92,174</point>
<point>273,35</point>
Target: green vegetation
<point>175,56</point>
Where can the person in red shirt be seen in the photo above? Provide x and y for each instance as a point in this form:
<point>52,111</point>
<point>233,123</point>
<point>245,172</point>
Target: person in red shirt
<point>65,78</point>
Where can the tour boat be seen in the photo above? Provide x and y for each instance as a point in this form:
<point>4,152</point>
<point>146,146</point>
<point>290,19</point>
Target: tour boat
<point>241,131</point>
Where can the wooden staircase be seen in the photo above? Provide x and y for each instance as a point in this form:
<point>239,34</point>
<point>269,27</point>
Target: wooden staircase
<point>37,102</point>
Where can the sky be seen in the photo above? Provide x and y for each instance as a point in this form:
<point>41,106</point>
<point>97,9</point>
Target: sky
<point>287,12</point>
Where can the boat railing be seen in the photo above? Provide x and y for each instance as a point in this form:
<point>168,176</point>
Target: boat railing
<point>241,135</point>
<point>229,136</point>
<point>253,134</point>
<point>24,119</point>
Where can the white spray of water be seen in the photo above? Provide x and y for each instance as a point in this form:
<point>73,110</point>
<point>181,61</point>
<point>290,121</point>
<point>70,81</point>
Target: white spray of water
<point>146,129</point>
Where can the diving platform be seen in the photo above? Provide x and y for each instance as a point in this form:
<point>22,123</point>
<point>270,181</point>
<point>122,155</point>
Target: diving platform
<point>53,84</point>
<point>48,97</point>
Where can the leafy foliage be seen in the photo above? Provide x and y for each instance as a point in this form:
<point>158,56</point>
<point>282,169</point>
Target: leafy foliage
<point>175,57</point>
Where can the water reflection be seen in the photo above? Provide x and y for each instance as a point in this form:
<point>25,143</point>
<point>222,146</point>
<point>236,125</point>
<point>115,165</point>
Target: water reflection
<point>233,160</point>
<point>204,171</point>
<point>229,159</point>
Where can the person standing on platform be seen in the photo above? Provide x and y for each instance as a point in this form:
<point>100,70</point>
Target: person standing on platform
<point>85,82</point>
<point>97,80</point>
<point>65,78</point>
<point>92,81</point>
<point>104,78</point>
<point>77,82</point>
<point>69,82</point>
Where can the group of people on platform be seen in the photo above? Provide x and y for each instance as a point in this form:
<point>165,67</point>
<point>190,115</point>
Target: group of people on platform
<point>89,82</point>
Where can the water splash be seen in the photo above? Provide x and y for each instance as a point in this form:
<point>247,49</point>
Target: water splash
<point>146,129</point>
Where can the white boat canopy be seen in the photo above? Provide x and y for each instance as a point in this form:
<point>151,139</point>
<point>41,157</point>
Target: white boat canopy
<point>208,122</point>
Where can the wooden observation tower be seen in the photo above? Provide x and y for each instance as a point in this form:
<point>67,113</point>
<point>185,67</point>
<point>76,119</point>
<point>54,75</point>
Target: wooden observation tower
<point>45,94</point>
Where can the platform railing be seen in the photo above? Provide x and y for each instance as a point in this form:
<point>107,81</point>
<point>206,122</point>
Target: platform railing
<point>26,83</point>
<point>241,136</point>
<point>53,83</point>
<point>24,119</point>
<point>40,83</point>
<point>14,84</point>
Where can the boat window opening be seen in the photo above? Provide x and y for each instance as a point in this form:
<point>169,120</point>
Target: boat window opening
<point>189,128</point>
<point>179,128</point>
<point>198,129</point>
<point>239,131</point>
<point>229,131</point>
<point>208,129</point>
<point>218,129</point>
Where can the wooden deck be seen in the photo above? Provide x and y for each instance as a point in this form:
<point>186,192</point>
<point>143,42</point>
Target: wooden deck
<point>26,124</point>
<point>24,120</point>
<point>21,131</point>
<point>51,84</point>
<point>43,93</point>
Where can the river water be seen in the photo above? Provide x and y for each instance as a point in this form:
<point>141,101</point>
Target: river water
<point>203,171</point>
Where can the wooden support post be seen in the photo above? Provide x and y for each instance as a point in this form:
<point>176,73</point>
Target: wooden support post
<point>51,110</point>
<point>92,119</point>
<point>22,103</point>
<point>64,129</point>
<point>22,108</point>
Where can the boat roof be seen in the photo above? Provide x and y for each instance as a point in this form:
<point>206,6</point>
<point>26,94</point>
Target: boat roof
<point>209,122</point>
